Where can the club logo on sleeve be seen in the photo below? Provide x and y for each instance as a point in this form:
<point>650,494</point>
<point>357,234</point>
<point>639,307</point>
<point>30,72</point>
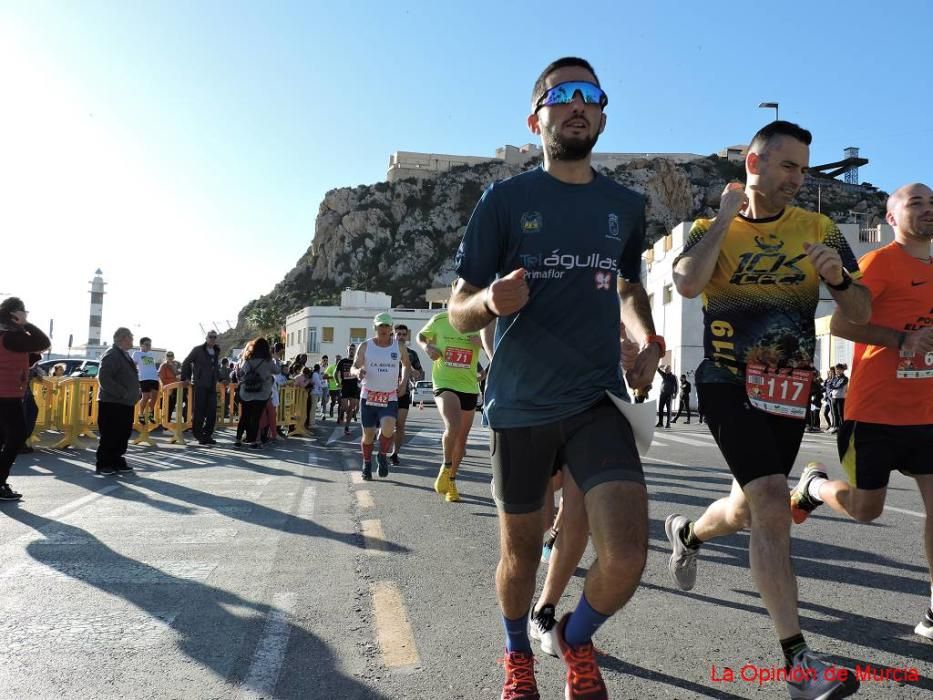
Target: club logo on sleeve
<point>532,222</point>
<point>613,227</point>
<point>603,279</point>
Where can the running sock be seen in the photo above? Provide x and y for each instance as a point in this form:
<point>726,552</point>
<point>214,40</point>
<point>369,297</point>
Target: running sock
<point>367,451</point>
<point>689,537</point>
<point>385,443</point>
<point>791,647</point>
<point>583,623</point>
<point>813,490</point>
<point>516,634</point>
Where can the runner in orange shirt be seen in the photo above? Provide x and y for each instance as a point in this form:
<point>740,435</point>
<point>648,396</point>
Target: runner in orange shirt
<point>889,409</point>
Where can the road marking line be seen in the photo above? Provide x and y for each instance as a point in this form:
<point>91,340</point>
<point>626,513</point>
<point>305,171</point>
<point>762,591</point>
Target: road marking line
<point>373,536</point>
<point>356,477</point>
<point>666,462</point>
<point>364,499</point>
<point>906,512</point>
<point>264,670</point>
<point>393,630</point>
<point>684,440</point>
<point>69,508</point>
<point>335,435</point>
<point>306,507</point>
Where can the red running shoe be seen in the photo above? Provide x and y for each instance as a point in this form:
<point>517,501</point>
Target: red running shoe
<point>520,681</point>
<point>584,681</point>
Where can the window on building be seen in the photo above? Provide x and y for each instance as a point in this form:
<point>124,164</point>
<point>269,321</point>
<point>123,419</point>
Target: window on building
<point>327,334</point>
<point>291,338</point>
<point>668,294</point>
<point>298,339</point>
<point>357,335</point>
<point>311,337</point>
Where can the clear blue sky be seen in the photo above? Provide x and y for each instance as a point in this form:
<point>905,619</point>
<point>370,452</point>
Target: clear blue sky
<point>184,147</point>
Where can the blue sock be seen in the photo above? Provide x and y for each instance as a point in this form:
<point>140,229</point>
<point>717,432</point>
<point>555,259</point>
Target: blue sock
<point>516,634</point>
<point>583,623</point>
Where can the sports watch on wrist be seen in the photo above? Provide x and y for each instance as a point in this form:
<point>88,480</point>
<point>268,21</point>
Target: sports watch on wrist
<point>659,339</point>
<point>842,286</point>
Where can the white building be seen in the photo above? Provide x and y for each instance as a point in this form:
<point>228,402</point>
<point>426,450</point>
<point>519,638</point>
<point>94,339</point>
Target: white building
<point>328,330</point>
<point>680,320</point>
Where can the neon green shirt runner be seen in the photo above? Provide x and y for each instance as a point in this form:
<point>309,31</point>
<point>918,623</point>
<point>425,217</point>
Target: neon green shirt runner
<point>332,383</point>
<point>455,369</point>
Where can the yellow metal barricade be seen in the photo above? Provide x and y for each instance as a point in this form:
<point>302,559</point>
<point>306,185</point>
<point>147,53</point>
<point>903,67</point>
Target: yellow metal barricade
<point>78,397</point>
<point>44,393</point>
<point>176,427</point>
<point>293,409</point>
<point>226,405</point>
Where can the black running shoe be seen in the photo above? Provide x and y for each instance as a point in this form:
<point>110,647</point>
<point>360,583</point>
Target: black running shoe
<point>8,494</point>
<point>383,463</point>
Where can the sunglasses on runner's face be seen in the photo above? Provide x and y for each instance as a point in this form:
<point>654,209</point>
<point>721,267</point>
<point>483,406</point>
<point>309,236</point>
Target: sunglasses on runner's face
<point>563,94</point>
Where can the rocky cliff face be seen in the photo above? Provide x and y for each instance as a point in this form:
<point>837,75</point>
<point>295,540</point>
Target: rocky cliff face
<point>400,237</point>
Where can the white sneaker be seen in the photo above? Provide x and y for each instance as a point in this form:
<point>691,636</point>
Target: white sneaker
<point>925,627</point>
<point>542,626</point>
<point>809,679</point>
<point>683,562</point>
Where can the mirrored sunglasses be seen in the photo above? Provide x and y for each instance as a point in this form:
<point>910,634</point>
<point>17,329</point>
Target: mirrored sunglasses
<point>563,94</point>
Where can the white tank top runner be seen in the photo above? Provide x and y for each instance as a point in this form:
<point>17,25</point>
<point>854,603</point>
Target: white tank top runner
<point>382,368</point>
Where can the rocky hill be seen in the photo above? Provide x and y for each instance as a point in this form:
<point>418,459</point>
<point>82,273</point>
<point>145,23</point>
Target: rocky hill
<point>400,237</point>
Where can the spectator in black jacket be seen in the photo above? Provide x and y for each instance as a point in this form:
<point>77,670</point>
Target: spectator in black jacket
<point>201,368</point>
<point>18,339</point>
<point>668,392</point>
<point>684,405</point>
<point>117,398</point>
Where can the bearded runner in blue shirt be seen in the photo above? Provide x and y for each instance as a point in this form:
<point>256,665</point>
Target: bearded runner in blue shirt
<point>555,254</point>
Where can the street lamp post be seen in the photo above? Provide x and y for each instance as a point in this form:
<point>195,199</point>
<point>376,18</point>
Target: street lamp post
<point>770,105</point>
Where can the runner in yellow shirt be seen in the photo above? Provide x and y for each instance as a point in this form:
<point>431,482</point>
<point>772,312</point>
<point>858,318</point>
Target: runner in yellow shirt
<point>454,356</point>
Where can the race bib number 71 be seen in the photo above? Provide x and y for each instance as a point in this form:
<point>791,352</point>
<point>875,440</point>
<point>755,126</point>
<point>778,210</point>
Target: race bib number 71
<point>458,357</point>
<point>783,393</point>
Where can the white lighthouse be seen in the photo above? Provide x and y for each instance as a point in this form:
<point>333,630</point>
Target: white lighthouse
<point>97,309</point>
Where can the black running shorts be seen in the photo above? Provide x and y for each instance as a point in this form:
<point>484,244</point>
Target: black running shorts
<point>753,442</point>
<point>404,402</point>
<point>467,401</point>
<point>869,452</point>
<point>596,445</point>
<point>350,390</point>
<point>148,385</point>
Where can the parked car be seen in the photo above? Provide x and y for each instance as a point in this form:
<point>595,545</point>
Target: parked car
<point>74,366</point>
<point>423,391</point>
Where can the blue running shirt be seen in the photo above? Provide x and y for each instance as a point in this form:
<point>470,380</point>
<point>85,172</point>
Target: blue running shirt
<point>559,354</point>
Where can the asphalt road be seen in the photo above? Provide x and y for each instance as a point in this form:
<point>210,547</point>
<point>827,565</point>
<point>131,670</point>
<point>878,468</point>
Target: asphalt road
<point>221,573</point>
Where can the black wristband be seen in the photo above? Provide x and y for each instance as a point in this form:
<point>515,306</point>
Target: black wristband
<point>489,310</point>
<point>842,286</point>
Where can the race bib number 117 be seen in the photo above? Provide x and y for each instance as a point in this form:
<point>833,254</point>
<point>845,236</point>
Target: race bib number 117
<point>783,393</point>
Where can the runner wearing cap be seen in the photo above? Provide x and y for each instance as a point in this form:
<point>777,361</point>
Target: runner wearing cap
<point>454,357</point>
<point>377,365</point>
